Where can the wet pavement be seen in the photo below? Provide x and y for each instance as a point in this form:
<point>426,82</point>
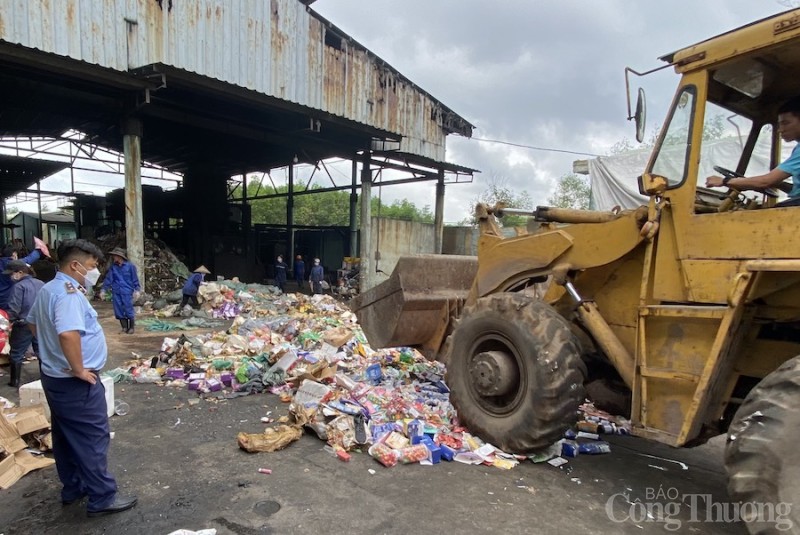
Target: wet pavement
<point>182,460</point>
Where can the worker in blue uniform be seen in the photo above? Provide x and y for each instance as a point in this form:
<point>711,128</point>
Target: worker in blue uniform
<point>192,287</point>
<point>72,351</point>
<point>123,281</point>
<point>26,288</point>
<point>9,253</point>
<point>280,273</point>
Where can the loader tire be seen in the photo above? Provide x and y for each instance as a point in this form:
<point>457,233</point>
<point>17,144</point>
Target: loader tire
<point>762,456</point>
<point>515,373</point>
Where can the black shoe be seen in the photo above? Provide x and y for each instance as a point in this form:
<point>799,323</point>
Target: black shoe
<point>131,325</point>
<point>124,324</point>
<point>16,374</point>
<point>121,503</point>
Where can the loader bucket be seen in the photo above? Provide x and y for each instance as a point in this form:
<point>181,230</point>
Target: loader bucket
<point>414,306</point>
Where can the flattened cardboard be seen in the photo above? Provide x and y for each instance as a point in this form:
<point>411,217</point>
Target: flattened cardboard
<point>13,467</point>
<point>29,419</point>
<point>10,440</point>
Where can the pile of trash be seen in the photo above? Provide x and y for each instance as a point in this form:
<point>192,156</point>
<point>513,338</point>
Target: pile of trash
<point>310,351</point>
<point>164,272</point>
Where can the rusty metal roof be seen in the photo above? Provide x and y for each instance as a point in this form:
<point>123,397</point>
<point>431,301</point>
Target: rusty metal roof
<point>281,50</point>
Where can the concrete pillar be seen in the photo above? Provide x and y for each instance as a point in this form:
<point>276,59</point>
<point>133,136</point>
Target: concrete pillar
<point>353,207</point>
<point>290,218</point>
<point>438,217</point>
<point>134,222</point>
<point>366,225</point>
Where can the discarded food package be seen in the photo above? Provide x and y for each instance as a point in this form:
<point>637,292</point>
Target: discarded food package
<point>272,439</point>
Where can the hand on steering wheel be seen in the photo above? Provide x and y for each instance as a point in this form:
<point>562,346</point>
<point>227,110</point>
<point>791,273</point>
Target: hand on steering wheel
<point>728,174</point>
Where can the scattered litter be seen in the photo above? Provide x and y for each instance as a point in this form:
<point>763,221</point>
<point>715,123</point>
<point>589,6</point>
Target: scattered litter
<point>683,466</point>
<point>310,352</point>
<point>266,471</point>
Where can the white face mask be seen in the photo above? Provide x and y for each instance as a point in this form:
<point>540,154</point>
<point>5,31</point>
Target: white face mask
<point>91,276</point>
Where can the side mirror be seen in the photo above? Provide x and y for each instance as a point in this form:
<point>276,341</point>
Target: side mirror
<point>640,116</point>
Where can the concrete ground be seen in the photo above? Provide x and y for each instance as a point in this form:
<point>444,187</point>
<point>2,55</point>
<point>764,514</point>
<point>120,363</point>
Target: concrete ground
<point>183,462</point>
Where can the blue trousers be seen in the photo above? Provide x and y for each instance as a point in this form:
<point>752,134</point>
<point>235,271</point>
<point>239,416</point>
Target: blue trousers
<point>81,439</point>
<point>123,305</point>
<point>20,340</point>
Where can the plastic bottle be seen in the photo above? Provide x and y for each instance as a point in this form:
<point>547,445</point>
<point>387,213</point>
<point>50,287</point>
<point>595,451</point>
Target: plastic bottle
<point>121,408</point>
<point>594,448</point>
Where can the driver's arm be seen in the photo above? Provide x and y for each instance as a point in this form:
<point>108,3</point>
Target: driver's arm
<point>770,180</point>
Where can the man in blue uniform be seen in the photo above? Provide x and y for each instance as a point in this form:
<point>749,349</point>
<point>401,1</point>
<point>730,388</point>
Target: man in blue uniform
<point>26,288</point>
<point>299,271</point>
<point>280,273</point>
<point>72,350</point>
<point>192,286</point>
<point>10,253</point>
<point>123,281</point>
<point>317,276</point>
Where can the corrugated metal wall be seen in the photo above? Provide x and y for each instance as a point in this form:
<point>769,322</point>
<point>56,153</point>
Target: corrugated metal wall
<point>275,47</point>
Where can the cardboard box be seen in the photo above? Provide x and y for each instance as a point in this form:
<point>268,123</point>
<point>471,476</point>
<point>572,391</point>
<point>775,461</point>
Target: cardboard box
<point>16,462</point>
<point>32,394</point>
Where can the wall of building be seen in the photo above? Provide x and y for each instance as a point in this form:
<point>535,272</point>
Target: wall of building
<point>393,238</point>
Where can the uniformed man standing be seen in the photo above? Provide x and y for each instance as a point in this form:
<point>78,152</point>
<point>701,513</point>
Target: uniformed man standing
<point>72,351</point>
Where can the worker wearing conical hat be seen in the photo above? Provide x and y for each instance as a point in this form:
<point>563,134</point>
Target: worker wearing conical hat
<point>192,286</point>
<point>123,281</point>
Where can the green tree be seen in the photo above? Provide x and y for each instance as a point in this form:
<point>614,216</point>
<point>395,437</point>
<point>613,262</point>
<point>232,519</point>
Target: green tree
<point>572,191</point>
<point>325,208</point>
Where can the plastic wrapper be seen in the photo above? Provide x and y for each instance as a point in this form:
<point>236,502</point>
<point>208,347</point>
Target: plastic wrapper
<point>414,454</point>
<point>384,454</point>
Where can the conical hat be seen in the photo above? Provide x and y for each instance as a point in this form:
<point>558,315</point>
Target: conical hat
<point>202,269</point>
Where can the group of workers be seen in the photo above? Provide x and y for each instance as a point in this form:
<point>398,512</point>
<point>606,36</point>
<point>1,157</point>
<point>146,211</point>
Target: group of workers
<point>316,275</point>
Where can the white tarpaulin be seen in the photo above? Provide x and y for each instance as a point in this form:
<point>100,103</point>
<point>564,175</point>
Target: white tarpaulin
<point>614,178</point>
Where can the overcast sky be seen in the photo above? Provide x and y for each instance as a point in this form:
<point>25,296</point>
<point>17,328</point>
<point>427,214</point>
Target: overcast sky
<point>545,73</point>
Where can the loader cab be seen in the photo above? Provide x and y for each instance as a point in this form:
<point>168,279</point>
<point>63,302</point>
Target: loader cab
<point>724,114</point>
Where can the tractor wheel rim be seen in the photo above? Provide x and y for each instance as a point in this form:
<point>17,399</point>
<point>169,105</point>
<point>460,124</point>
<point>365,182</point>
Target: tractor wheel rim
<point>496,377</point>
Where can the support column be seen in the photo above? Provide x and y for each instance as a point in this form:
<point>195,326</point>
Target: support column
<point>290,218</point>
<point>438,218</point>
<point>353,207</point>
<point>40,229</point>
<point>366,225</point>
<point>134,223</point>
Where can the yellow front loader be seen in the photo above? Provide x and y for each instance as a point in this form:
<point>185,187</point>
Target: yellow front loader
<point>688,308</point>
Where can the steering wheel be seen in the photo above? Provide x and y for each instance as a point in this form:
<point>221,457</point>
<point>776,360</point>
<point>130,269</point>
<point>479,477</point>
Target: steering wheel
<point>727,173</point>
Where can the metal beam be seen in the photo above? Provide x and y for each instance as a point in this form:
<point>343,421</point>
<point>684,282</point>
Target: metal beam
<point>366,225</point>
<point>353,208</point>
<point>438,219</point>
<point>340,188</point>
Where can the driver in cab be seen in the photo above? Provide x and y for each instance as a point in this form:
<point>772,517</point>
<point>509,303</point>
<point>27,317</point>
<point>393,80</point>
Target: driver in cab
<point>789,129</point>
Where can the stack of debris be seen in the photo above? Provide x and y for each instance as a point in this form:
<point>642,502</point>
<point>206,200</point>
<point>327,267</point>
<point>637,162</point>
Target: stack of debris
<point>311,352</point>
